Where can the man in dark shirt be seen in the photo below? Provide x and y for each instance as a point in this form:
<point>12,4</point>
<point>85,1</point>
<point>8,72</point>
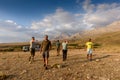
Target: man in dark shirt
<point>45,48</point>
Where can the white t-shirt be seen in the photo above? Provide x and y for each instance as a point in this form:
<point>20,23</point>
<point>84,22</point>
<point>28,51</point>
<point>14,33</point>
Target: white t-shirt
<point>64,46</point>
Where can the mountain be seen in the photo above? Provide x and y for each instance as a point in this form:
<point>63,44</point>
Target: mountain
<point>114,27</point>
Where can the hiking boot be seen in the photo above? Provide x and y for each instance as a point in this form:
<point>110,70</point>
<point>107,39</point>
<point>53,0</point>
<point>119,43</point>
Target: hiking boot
<point>90,59</point>
<point>44,65</point>
<point>46,68</point>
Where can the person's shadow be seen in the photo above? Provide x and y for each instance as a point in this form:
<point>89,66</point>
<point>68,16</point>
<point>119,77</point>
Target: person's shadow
<point>9,77</point>
<point>106,56</point>
<point>78,60</point>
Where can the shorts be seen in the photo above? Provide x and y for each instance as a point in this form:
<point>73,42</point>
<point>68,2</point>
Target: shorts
<point>46,54</point>
<point>89,51</point>
<point>32,51</point>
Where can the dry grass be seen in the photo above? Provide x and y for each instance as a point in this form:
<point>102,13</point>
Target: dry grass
<point>105,66</point>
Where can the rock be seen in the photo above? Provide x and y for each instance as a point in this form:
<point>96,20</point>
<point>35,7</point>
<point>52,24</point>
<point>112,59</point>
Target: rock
<point>76,73</point>
<point>69,69</point>
<point>4,58</point>
<point>61,78</point>
<point>103,78</point>
<point>88,76</point>
<point>117,60</point>
<point>102,63</point>
<point>95,77</point>
<point>2,76</point>
<point>24,71</point>
<point>97,60</point>
<point>74,78</point>
<point>83,65</point>
<point>59,66</point>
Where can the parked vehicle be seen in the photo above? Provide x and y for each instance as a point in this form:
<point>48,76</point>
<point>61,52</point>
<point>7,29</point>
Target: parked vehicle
<point>37,47</point>
<point>25,48</point>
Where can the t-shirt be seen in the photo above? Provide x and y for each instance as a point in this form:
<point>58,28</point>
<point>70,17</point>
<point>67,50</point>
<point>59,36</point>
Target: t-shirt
<point>46,44</point>
<point>89,45</point>
<point>32,44</point>
<point>58,45</point>
<point>64,46</point>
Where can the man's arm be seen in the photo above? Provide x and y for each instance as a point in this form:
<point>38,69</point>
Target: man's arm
<point>50,46</point>
<point>41,47</point>
<point>93,46</point>
<point>85,46</point>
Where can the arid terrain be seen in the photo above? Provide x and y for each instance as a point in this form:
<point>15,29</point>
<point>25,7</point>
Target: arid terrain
<point>104,66</point>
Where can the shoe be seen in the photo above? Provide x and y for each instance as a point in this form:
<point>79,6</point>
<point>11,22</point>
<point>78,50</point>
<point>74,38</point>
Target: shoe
<point>90,59</point>
<point>46,68</point>
<point>44,65</point>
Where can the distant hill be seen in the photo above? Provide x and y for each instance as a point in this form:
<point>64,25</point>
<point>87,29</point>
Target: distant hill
<point>107,36</point>
<point>109,39</point>
<point>113,27</point>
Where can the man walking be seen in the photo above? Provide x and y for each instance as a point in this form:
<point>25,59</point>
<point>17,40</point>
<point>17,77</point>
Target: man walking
<point>89,47</point>
<point>64,50</point>
<point>58,47</point>
<point>32,49</point>
<point>45,48</point>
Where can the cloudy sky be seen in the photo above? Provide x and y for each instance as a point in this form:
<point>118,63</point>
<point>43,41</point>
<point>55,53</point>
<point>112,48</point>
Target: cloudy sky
<point>22,19</point>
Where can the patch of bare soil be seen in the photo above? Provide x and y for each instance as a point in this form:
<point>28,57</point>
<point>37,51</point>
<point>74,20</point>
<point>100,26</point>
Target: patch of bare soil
<point>104,66</point>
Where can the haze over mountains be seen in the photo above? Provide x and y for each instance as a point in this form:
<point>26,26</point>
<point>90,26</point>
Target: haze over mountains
<point>113,27</point>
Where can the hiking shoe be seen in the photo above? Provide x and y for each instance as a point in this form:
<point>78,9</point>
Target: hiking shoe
<point>44,65</point>
<point>46,68</point>
<point>90,59</point>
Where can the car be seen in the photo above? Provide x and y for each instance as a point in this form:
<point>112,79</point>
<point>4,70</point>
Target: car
<point>25,48</point>
<point>37,47</point>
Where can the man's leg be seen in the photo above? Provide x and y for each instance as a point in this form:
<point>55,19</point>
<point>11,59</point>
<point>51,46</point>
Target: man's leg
<point>44,59</point>
<point>90,56</point>
<point>63,55</point>
<point>57,53</point>
<point>44,62</point>
<point>30,54</point>
<point>87,56</point>
<point>33,54</point>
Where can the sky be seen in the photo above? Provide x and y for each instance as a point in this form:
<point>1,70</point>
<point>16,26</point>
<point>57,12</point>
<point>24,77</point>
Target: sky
<point>22,19</point>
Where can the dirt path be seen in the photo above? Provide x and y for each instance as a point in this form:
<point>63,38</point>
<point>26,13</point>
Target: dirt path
<point>105,66</point>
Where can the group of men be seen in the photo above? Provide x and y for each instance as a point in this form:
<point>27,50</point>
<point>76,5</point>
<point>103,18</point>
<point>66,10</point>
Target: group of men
<point>46,46</point>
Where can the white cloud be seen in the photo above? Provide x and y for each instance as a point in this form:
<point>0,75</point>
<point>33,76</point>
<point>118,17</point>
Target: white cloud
<point>87,6</point>
<point>62,21</point>
<point>59,22</point>
<point>65,22</point>
<point>12,32</point>
<point>102,14</point>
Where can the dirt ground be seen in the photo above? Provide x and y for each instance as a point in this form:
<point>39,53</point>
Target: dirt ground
<point>104,66</point>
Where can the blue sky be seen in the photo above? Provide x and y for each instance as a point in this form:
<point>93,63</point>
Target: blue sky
<point>38,17</point>
<point>26,11</point>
